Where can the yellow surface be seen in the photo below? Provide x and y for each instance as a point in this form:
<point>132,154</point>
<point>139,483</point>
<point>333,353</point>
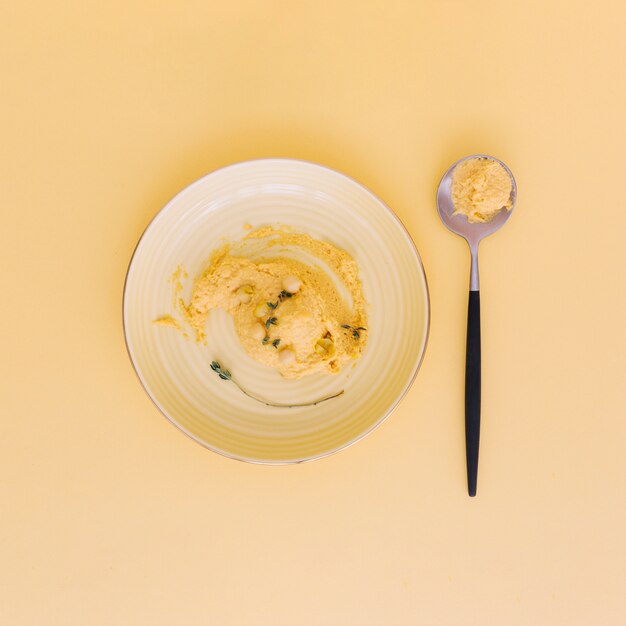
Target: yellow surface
<point>111,516</point>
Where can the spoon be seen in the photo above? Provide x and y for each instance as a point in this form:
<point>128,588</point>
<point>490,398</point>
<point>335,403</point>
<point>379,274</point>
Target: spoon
<point>473,233</point>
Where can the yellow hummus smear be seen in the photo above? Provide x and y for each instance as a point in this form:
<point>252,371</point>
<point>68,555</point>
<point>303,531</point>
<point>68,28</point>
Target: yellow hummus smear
<point>167,320</point>
<point>289,314</point>
<point>481,187</point>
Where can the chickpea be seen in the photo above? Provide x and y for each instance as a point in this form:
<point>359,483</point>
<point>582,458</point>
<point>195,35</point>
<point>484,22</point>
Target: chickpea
<point>286,357</point>
<point>257,331</point>
<point>244,293</point>
<point>292,284</point>
<point>261,309</point>
<point>324,345</point>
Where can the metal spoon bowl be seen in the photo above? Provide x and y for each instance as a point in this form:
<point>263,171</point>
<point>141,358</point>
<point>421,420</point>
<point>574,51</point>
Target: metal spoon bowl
<point>473,233</point>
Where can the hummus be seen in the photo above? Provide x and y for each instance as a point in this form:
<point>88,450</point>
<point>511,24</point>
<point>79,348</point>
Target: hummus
<point>167,320</point>
<point>296,316</point>
<point>481,187</point>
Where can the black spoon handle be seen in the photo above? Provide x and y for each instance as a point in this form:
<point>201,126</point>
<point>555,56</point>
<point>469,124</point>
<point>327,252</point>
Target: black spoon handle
<point>472,390</point>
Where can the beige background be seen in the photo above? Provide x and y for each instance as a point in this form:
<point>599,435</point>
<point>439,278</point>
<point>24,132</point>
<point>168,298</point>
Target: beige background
<point>111,516</point>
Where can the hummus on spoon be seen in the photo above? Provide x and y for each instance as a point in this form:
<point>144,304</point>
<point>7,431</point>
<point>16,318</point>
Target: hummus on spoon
<point>481,188</point>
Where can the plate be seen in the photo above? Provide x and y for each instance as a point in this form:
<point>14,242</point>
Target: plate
<point>175,370</point>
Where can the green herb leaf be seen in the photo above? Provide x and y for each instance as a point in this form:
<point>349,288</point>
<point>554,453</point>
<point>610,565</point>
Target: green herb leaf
<point>266,339</point>
<point>272,305</point>
<point>276,342</point>
<point>270,321</point>
<point>222,373</point>
<point>354,331</point>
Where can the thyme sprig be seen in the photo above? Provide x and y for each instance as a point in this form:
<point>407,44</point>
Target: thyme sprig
<point>284,294</point>
<point>272,320</point>
<point>225,374</point>
<point>355,330</point>
<point>220,371</point>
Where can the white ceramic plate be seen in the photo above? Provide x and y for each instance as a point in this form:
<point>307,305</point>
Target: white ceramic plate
<point>176,371</point>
